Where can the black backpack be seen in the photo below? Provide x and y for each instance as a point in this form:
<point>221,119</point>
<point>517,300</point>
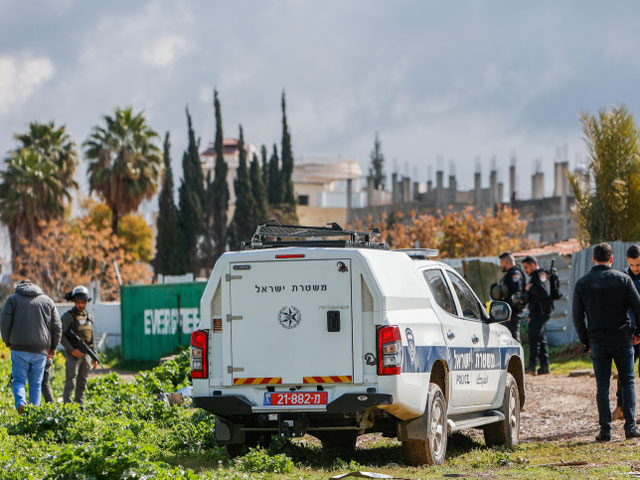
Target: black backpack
<point>554,280</point>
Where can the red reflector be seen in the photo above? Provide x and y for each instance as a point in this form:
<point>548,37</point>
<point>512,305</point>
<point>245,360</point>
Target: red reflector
<point>298,255</point>
<point>199,354</point>
<point>388,334</point>
<point>389,358</point>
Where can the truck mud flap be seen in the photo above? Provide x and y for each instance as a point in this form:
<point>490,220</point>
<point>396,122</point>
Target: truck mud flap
<point>357,402</point>
<point>224,405</point>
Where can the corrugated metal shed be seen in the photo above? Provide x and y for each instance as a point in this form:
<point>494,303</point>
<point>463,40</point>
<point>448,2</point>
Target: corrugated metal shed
<point>158,318</point>
<point>582,262</point>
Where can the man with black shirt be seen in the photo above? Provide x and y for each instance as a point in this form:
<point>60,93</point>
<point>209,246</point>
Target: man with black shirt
<point>513,279</point>
<point>633,270</point>
<point>605,295</point>
<point>540,308</point>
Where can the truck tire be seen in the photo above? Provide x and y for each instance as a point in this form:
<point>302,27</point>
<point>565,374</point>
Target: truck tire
<point>506,432</point>
<point>432,450</point>
<point>343,442</point>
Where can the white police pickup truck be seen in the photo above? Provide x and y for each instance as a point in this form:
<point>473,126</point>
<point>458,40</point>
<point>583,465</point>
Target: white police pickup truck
<point>321,331</point>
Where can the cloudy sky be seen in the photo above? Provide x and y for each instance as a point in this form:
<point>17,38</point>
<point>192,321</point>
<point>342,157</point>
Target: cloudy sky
<point>450,80</point>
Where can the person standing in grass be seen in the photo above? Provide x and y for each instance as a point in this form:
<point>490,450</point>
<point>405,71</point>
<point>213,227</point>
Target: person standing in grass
<point>31,328</point>
<point>633,270</point>
<point>605,296</point>
<point>79,321</point>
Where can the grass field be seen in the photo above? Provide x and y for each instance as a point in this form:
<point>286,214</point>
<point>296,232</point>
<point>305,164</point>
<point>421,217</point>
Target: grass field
<point>126,432</point>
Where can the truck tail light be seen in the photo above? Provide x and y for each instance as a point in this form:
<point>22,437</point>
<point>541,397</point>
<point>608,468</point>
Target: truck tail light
<point>389,351</point>
<point>199,357</point>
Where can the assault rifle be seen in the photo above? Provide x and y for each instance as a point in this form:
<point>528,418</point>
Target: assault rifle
<point>80,344</point>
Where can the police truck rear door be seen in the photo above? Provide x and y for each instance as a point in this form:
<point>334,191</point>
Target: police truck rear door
<point>290,321</point>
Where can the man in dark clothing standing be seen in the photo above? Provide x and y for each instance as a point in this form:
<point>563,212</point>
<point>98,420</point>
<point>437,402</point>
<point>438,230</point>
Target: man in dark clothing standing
<point>540,308</point>
<point>633,270</point>
<point>79,321</point>
<point>513,279</point>
<point>31,328</point>
<point>605,296</point>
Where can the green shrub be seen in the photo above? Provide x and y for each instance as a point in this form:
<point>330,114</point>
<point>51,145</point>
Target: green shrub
<point>258,460</point>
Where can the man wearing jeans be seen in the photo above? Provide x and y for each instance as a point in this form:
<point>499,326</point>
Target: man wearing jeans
<point>31,328</point>
<point>605,296</point>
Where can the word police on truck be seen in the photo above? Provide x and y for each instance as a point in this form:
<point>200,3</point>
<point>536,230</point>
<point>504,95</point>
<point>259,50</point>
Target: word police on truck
<point>324,331</point>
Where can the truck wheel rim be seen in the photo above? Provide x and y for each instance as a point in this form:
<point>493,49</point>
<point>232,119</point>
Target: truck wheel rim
<point>437,432</point>
<point>513,413</point>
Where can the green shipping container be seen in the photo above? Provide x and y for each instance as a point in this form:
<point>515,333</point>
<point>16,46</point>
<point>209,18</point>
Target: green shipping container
<point>155,319</point>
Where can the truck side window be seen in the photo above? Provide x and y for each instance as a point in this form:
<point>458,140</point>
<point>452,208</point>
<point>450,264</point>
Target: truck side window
<point>440,290</point>
<point>468,302</point>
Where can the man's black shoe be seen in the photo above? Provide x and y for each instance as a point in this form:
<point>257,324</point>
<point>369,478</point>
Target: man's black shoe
<point>603,437</point>
<point>635,433</point>
<point>543,371</point>
<point>531,371</point>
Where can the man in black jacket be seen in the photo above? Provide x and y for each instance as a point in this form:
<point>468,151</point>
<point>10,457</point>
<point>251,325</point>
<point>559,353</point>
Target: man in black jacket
<point>605,296</point>
<point>540,308</point>
<point>514,280</point>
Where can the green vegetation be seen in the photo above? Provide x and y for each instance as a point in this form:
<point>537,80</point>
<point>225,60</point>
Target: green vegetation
<point>36,184</point>
<point>243,223</point>
<point>128,432</point>
<point>608,210</point>
<point>168,259</point>
<point>124,162</point>
<point>192,197</point>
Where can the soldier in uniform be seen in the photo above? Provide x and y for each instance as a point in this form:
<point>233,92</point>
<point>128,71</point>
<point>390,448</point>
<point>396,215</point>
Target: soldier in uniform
<point>540,308</point>
<point>78,364</point>
<point>513,279</point>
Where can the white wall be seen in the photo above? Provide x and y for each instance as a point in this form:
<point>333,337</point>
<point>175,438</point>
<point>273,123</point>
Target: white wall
<point>106,317</point>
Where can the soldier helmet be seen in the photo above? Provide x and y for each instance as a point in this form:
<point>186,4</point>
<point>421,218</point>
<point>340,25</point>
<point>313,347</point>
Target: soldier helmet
<point>499,292</point>
<point>80,293</point>
<point>520,299</point>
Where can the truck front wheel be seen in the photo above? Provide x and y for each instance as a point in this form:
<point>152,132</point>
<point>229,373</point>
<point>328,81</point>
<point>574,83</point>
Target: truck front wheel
<point>507,431</point>
<point>433,449</point>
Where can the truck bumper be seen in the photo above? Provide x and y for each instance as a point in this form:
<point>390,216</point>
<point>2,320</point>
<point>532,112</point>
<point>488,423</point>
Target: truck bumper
<point>232,405</point>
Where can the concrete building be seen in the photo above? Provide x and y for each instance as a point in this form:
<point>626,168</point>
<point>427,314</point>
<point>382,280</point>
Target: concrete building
<point>550,218</point>
<point>326,188</point>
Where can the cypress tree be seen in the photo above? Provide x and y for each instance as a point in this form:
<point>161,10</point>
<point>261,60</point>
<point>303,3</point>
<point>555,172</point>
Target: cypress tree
<point>168,260</point>
<point>220,187</point>
<point>242,225</point>
<point>377,163</point>
<point>274,188</point>
<point>193,172</point>
<point>265,165</point>
<point>258,191</point>
<point>191,195</point>
<point>288,193</point>
<point>207,245</point>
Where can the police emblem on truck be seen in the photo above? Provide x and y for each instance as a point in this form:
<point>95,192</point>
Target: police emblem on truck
<point>289,317</point>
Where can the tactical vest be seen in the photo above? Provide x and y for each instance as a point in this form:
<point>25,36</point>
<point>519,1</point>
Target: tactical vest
<point>83,326</point>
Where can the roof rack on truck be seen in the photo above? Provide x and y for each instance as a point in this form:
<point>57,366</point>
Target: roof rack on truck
<point>273,235</point>
<point>419,253</point>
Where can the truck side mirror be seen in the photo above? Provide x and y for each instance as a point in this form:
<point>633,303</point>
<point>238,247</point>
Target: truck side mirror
<point>499,312</point>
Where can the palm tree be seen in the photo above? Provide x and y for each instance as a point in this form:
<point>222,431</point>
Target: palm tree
<point>31,191</point>
<point>123,162</point>
<point>54,144</point>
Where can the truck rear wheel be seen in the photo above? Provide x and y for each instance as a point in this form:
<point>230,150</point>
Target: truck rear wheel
<point>432,450</point>
<point>506,432</point>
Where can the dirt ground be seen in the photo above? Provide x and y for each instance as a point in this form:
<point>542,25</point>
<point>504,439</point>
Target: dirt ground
<point>559,407</point>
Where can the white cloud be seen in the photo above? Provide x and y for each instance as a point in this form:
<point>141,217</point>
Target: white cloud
<point>20,78</point>
<point>164,51</point>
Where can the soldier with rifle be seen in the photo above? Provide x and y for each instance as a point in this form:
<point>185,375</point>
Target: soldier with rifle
<point>77,340</point>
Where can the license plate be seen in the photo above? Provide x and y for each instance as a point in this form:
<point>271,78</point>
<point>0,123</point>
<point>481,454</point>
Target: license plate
<point>292,399</point>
